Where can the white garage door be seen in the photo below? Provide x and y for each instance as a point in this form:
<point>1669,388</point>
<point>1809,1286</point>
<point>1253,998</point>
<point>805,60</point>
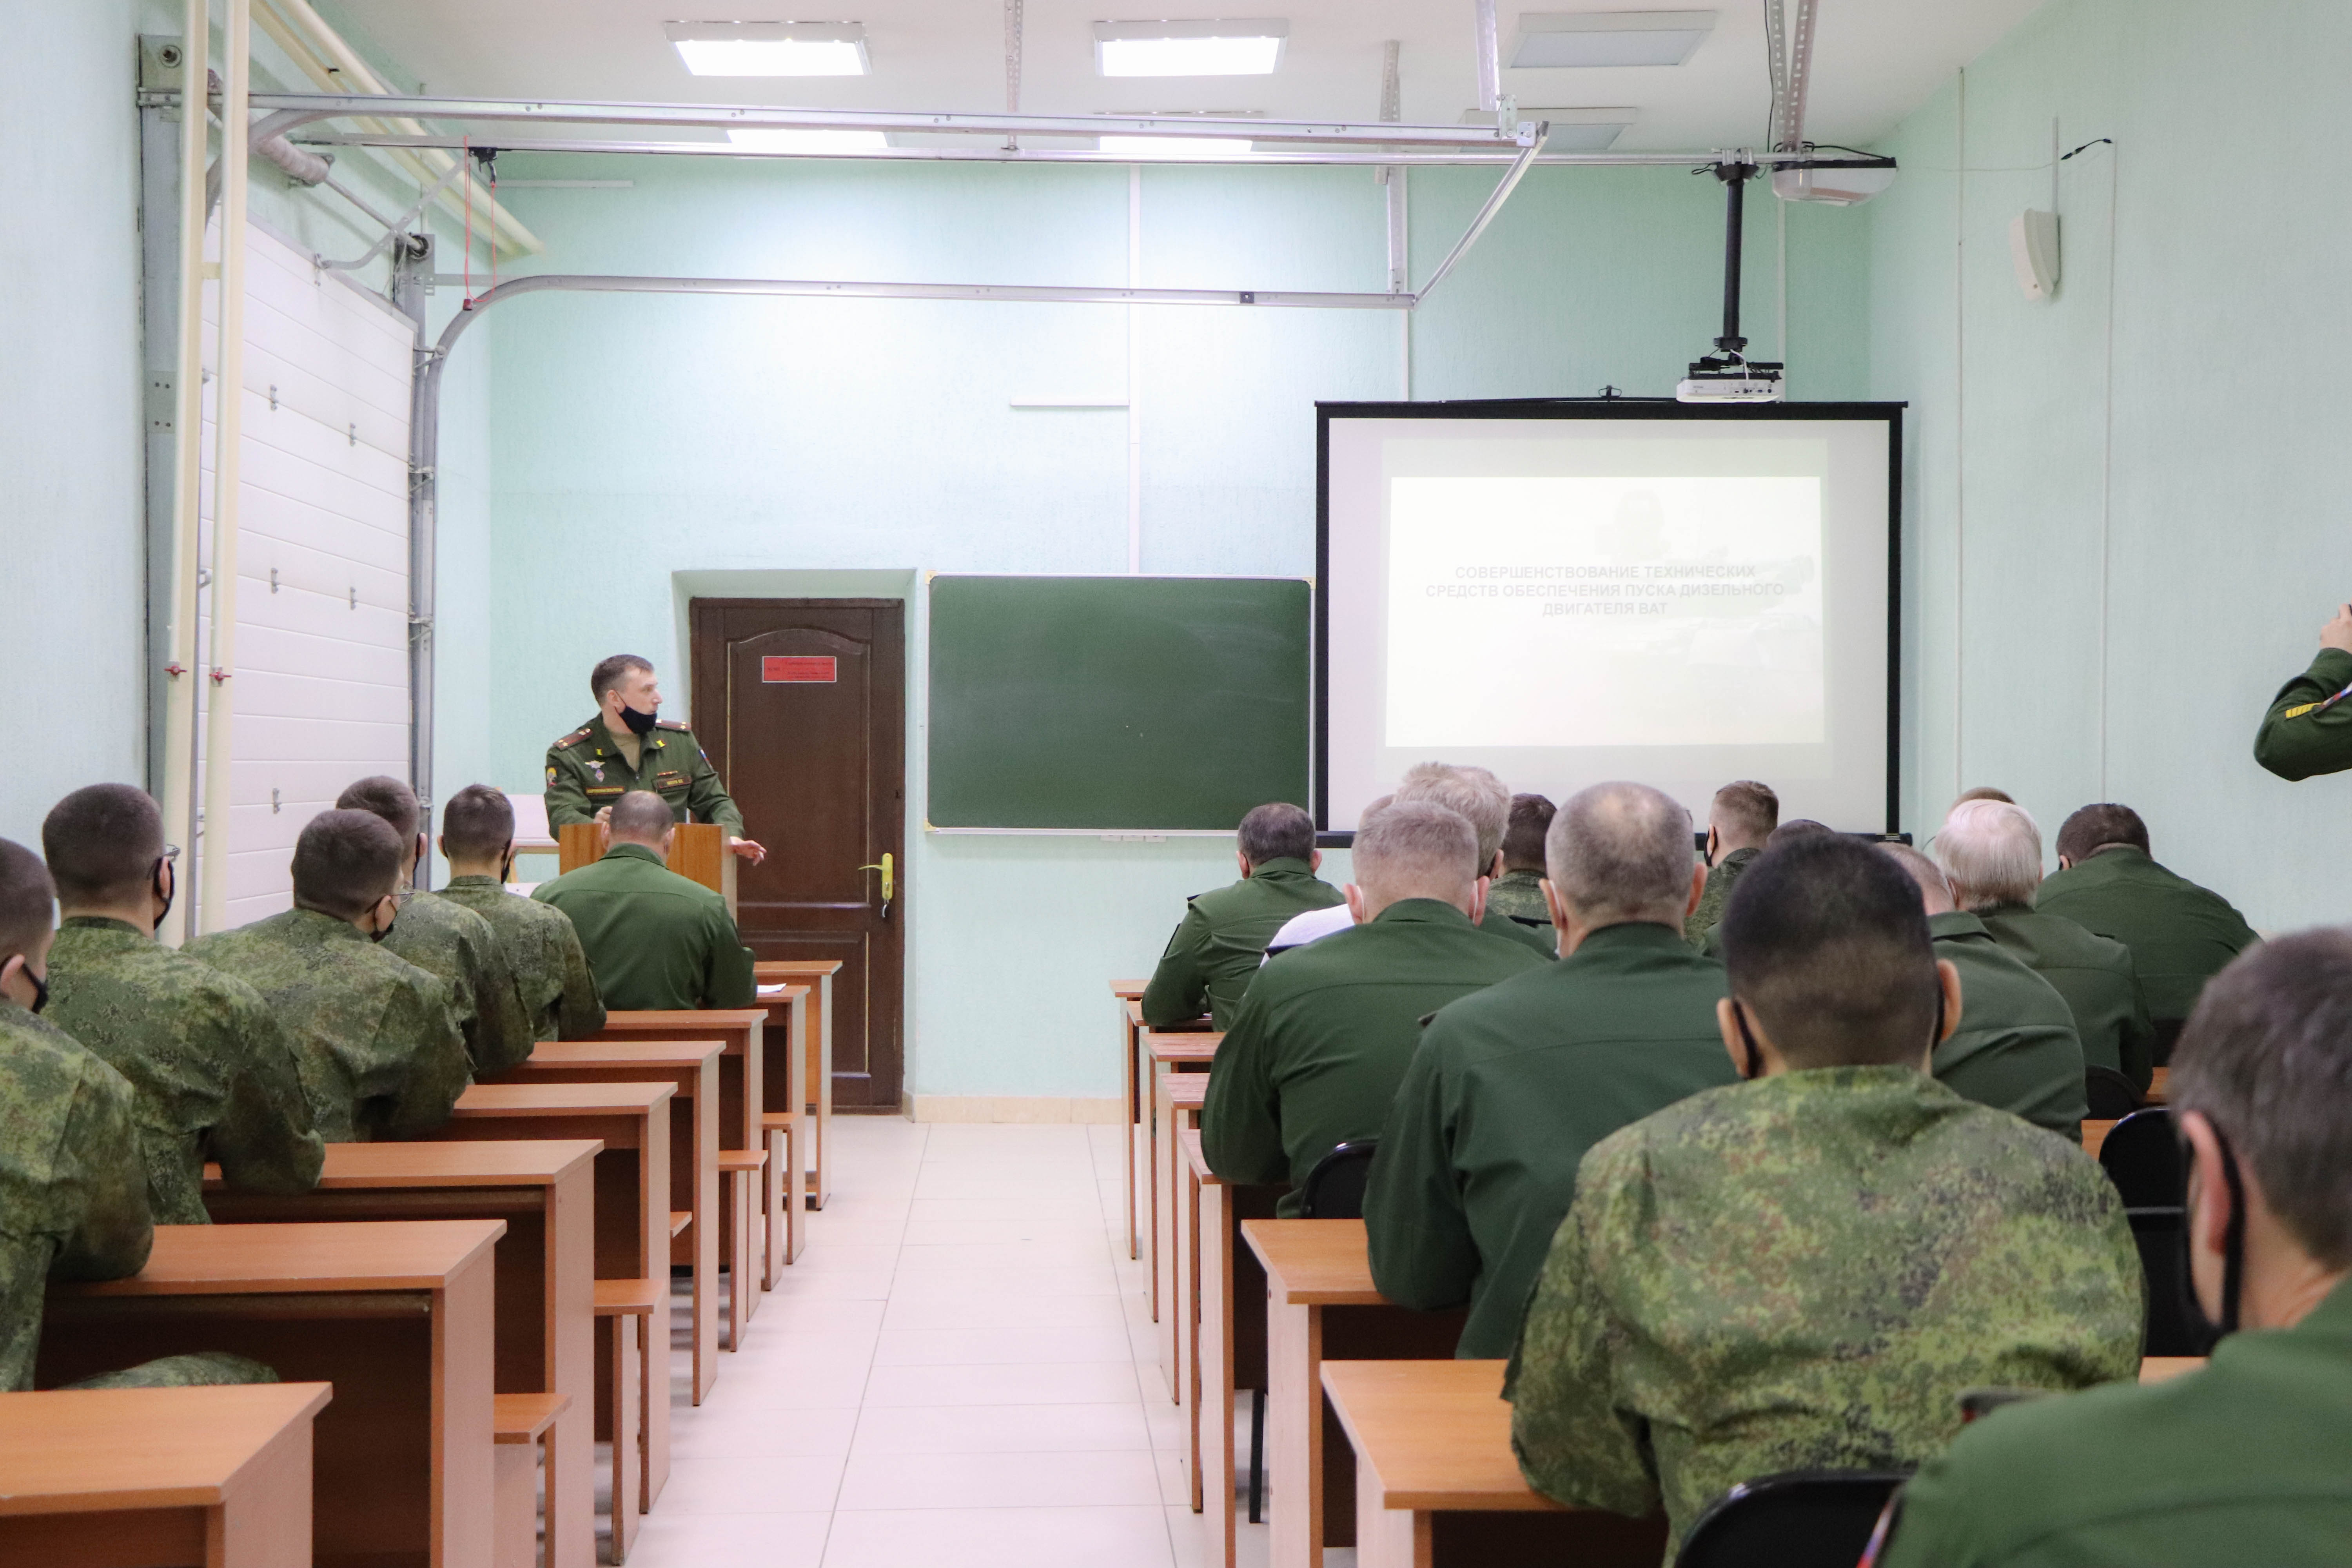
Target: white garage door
<point>321,665</point>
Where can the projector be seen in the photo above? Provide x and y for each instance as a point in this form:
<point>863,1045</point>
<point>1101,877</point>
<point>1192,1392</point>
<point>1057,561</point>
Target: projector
<point>1728,378</point>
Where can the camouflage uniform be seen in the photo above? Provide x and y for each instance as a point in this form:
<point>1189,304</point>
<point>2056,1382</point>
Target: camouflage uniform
<point>1218,944</point>
<point>451,940</point>
<point>73,1193</point>
<point>587,771</point>
<point>1520,895</point>
<point>374,1037</point>
<point>211,1073</point>
<point>542,951</point>
<point>1807,1271</point>
<point>1720,878</point>
<point>198,1369</point>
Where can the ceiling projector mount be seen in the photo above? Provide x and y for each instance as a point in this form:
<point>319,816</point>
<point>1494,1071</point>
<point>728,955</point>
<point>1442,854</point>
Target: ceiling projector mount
<point>1729,375</point>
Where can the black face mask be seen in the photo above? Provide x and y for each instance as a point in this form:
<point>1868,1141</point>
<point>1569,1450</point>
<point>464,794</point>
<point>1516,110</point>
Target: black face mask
<point>165,893</point>
<point>1751,1060</point>
<point>2203,1332</point>
<point>40,989</point>
<point>639,723</point>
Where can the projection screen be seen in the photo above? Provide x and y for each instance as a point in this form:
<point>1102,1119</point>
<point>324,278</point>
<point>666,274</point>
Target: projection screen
<point>1566,593</point>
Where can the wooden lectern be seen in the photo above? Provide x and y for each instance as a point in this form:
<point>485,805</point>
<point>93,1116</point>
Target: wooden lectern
<point>699,852</point>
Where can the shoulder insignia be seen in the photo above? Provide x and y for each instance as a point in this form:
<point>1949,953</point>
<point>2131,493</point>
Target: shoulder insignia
<point>574,738</point>
<point>669,724</point>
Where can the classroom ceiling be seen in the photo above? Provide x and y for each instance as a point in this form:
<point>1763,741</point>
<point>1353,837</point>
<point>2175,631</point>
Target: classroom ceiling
<point>1876,60</point>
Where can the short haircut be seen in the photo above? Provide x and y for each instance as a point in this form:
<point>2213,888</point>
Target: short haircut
<point>1797,828</point>
<point>1275,831</point>
<point>1416,849</point>
<point>1985,792</point>
<point>1472,794</point>
<point>102,842</point>
<point>1825,941</point>
<point>608,672</point>
<point>1523,835</point>
<point>1746,810</point>
<point>381,795</point>
<point>1991,853</point>
<point>27,901</point>
<point>478,822</point>
<point>642,814</point>
<point>344,862</point>
<point>1925,874</point>
<point>1622,852</point>
<point>2267,1057</point>
<point>2096,826</point>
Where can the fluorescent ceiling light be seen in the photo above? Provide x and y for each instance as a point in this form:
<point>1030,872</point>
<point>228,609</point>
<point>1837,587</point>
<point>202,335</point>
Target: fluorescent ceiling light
<point>1552,40</point>
<point>771,48</point>
<point>1189,49</point>
<point>771,139</point>
<point>1174,146</point>
<point>1572,130</point>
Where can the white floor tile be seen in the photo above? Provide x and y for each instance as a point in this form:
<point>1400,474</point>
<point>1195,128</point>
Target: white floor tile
<point>1059,1479</point>
<point>670,1539</point>
<point>1001,1538</point>
<point>1001,1428</point>
<point>984,1347</point>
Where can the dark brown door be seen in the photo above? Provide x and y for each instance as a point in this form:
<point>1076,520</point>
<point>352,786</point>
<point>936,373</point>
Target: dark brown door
<point>802,706</point>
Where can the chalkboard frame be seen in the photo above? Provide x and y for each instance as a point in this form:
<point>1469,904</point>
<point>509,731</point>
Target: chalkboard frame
<point>1605,408</point>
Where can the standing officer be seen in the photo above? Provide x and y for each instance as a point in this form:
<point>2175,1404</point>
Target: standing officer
<point>626,746</point>
<point>2308,729</point>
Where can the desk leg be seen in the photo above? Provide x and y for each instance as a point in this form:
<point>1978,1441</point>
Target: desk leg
<point>1293,1435</point>
<point>1134,1115</point>
<point>1169,1203</point>
<point>1389,1537</point>
<point>820,1100</point>
<point>1213,1421</point>
<point>465,1370</point>
<point>266,1521</point>
<point>1151,1179</point>
<point>628,1436</point>
<point>1196,1277</point>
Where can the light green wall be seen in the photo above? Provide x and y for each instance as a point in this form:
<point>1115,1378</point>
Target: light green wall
<point>2069,650</point>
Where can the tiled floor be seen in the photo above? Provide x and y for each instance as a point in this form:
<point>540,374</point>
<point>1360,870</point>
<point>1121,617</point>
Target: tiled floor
<point>962,1369</point>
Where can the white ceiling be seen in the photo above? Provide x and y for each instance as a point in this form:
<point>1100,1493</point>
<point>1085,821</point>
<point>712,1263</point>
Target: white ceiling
<point>1874,60</point>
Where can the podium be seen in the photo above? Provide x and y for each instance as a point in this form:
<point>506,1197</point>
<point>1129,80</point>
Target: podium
<point>697,853</point>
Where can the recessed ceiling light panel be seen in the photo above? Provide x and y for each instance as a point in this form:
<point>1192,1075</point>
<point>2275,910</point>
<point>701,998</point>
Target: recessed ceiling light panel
<point>1572,130</point>
<point>1174,147</point>
<point>776,139</point>
<point>771,48</point>
<point>1189,49</point>
<point>1554,40</point>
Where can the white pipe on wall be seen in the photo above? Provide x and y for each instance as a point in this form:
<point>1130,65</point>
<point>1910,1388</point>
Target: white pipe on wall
<point>187,470</point>
<point>228,421</point>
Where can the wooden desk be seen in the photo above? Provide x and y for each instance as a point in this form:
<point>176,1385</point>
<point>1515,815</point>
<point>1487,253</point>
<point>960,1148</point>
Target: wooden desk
<point>1436,1482</point>
<point>2095,1137</point>
<point>1166,1051</point>
<point>545,1192</point>
<point>1228,1335</point>
<point>632,1122</point>
<point>817,973</point>
<point>116,1475</point>
<point>1177,1098</point>
<point>1321,1307</point>
<point>2159,1088</point>
<point>1128,996</point>
<point>2165,1368</point>
<point>789,1121</point>
<point>690,1068</point>
<point>398,1316</point>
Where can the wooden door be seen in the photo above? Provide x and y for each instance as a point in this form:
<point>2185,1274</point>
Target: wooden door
<point>801,704</point>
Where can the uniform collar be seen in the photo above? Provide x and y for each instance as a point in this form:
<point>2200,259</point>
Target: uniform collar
<point>1281,868</point>
<point>1995,912</point>
<point>1956,925</point>
<point>325,927</point>
<point>1522,877</point>
<point>608,746</point>
<point>1421,911</point>
<point>102,922</point>
<point>634,852</point>
<point>1632,936</point>
<point>473,879</point>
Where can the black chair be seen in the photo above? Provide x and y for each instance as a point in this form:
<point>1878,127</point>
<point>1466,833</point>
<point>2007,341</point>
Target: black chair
<point>2110,1093</point>
<point>1799,1519</point>
<point>2142,1157</point>
<point>2161,1235</point>
<point>1335,1187</point>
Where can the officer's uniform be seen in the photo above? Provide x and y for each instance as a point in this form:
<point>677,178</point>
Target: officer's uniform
<point>542,951</point>
<point>1217,946</point>
<point>2180,935</point>
<point>446,939</point>
<point>1806,1272</point>
<point>2094,974</point>
<point>2308,728</point>
<point>210,1073</point>
<point>1721,878</point>
<point>1323,1036</point>
<point>2016,1048</point>
<point>654,939</point>
<point>2241,1462</point>
<point>1539,940</point>
<point>375,1038</point>
<point>1509,1088</point>
<point>587,771</point>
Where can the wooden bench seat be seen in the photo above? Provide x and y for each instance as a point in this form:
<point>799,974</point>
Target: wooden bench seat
<point>519,1423</point>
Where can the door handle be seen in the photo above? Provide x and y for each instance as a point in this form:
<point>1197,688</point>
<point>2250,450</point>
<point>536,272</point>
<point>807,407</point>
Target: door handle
<point>889,880</point>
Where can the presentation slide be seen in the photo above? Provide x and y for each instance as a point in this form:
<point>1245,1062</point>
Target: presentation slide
<point>1683,601</point>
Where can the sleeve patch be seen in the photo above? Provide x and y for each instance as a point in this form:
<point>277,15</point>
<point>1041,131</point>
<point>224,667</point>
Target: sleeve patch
<point>2299,709</point>
<point>550,775</point>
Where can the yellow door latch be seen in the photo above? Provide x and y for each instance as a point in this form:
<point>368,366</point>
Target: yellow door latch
<point>889,880</point>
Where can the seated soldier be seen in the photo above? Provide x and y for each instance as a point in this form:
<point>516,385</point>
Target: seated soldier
<point>1742,817</point>
<point>2015,1046</point>
<point>1517,891</point>
<point>1796,827</point>
<point>2178,932</point>
<point>540,947</point>
<point>444,937</point>
<point>654,939</point>
<point>1807,1270</point>
<point>73,1188</point>
<point>2244,1460</point>
<point>210,1073</point>
<point>1320,1041</point>
<point>1991,854</point>
<point>1511,1085</point>
<point>375,1038</point>
<point>1222,938</point>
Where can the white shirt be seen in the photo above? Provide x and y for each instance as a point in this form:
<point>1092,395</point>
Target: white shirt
<point>1312,926</point>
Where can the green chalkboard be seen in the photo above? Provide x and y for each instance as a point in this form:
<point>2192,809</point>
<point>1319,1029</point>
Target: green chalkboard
<point>1116,703</point>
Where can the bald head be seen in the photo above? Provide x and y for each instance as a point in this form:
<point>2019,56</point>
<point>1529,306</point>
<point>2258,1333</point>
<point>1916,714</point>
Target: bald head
<point>1934,893</point>
<point>1415,849</point>
<point>1472,794</point>
<point>1618,853</point>
<point>641,816</point>
<point>1992,854</point>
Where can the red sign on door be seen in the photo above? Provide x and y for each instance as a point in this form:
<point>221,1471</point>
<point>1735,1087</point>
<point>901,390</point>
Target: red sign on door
<point>789,670</point>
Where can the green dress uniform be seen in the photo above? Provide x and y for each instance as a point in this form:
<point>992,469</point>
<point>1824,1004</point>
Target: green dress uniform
<point>654,939</point>
<point>1216,948</point>
<point>2241,1462</point>
<point>1322,1041</point>
<point>375,1038</point>
<point>2180,935</point>
<point>2308,728</point>
<point>1509,1088</point>
<point>587,771</point>
<point>542,951</point>
<point>445,938</point>
<point>210,1072</point>
<point>1721,878</point>
<point>1539,940</point>
<point>2016,1048</point>
<point>2096,978</point>
<point>1806,1272</point>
